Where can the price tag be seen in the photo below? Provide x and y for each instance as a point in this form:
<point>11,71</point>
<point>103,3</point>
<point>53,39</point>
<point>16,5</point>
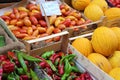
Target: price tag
<point>40,1</point>
<point>50,8</point>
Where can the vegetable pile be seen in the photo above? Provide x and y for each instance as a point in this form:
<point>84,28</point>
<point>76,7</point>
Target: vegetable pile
<point>61,66</point>
<point>16,65</point>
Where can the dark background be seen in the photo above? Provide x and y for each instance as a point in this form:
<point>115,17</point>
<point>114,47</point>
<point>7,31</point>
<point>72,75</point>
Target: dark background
<point>9,1</point>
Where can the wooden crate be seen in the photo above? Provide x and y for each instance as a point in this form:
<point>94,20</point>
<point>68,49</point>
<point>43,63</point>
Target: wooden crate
<point>111,23</point>
<point>87,63</point>
<point>62,44</point>
<point>85,28</point>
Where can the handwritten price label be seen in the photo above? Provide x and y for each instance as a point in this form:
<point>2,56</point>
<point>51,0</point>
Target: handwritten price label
<point>50,8</point>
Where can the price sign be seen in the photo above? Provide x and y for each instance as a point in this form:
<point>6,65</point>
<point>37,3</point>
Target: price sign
<point>40,1</point>
<point>50,8</point>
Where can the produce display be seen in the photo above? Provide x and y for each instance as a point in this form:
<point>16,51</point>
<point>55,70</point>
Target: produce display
<point>95,9</point>
<point>16,65</point>
<point>105,45</point>
<point>61,66</point>
<point>69,18</point>
<point>92,9</point>
<point>101,48</point>
<point>28,23</point>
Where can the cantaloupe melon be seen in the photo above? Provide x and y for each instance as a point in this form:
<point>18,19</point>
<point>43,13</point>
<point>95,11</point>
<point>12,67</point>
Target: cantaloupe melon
<point>112,13</point>
<point>116,30</point>
<point>93,12</point>
<point>115,59</point>
<point>115,73</point>
<point>101,3</point>
<point>104,41</point>
<point>100,61</point>
<point>80,4</point>
<point>83,45</point>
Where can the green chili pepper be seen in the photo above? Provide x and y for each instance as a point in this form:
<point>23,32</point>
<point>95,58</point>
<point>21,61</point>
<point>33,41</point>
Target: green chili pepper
<point>33,75</point>
<point>67,67</point>
<point>20,71</point>
<point>71,77</point>
<point>57,61</point>
<point>65,75</point>
<point>16,76</point>
<point>69,57</point>
<point>51,65</point>
<point>74,69</point>
<point>11,76</point>
<point>47,54</point>
<point>28,57</point>
<point>22,63</point>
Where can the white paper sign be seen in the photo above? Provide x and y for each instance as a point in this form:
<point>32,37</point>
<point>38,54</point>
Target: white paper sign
<point>50,8</point>
<point>40,1</point>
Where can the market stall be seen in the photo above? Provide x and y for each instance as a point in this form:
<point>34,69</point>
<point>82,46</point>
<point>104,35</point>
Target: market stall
<point>60,40</point>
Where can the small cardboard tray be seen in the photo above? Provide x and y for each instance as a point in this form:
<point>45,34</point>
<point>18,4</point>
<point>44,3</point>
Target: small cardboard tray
<point>101,75</point>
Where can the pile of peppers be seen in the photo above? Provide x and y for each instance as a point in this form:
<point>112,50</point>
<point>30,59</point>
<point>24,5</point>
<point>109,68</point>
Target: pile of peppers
<point>16,65</point>
<point>61,66</point>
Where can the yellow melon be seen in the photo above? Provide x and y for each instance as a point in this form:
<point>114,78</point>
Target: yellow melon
<point>117,32</point>
<point>115,73</point>
<point>104,41</point>
<point>100,61</point>
<point>83,45</point>
<point>80,4</point>
<point>93,12</point>
<point>102,3</point>
<point>112,13</point>
<point>115,59</point>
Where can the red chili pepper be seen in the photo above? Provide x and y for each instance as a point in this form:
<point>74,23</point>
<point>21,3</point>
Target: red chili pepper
<point>54,57</point>
<point>55,77</point>
<point>61,54</point>
<point>40,58</point>
<point>44,64</point>
<point>77,78</point>
<point>12,55</point>
<point>82,76</point>
<point>61,69</point>
<point>1,72</point>
<point>49,71</point>
<point>3,57</point>
<point>87,76</point>
<point>8,67</point>
<point>24,77</point>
